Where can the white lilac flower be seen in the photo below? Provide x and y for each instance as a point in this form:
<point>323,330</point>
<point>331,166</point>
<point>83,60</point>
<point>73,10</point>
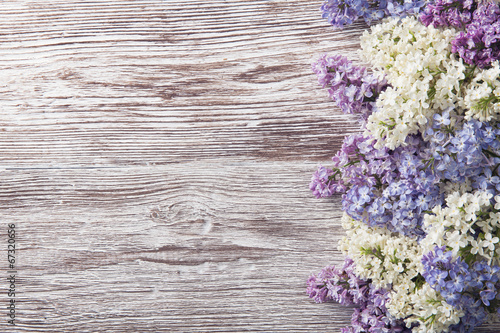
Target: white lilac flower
<point>425,77</point>
<point>464,225</point>
<point>423,306</point>
<point>482,97</point>
<point>394,260</point>
<point>380,255</point>
<point>489,242</point>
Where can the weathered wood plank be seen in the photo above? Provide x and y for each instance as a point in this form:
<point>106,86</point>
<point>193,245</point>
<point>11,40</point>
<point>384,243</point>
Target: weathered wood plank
<point>156,157</point>
<point>150,249</point>
<point>102,85</point>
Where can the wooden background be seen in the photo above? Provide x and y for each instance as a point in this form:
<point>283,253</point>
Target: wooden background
<point>155,159</point>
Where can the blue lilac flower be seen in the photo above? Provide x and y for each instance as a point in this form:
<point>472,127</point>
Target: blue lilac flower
<point>381,188</point>
<point>475,315</point>
<point>402,9</point>
<point>340,13</point>
<point>441,120</point>
<point>488,294</point>
<point>470,288</point>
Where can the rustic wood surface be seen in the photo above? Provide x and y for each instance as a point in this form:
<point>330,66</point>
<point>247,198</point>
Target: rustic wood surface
<point>155,159</point>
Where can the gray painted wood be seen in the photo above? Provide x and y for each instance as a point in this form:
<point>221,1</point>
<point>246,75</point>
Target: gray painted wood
<point>155,160</point>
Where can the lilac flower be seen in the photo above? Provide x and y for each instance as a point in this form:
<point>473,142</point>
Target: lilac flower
<point>465,150</point>
<point>475,315</point>
<point>340,13</point>
<point>488,294</point>
<point>321,183</point>
<point>446,275</point>
<point>351,87</point>
<point>479,44</point>
<point>381,188</point>
<point>402,9</point>
<point>393,189</point>
<point>456,284</point>
<point>470,288</point>
<point>364,194</point>
<point>441,120</point>
<point>455,13</point>
<point>343,286</point>
<point>317,287</point>
<point>335,284</point>
<point>404,182</point>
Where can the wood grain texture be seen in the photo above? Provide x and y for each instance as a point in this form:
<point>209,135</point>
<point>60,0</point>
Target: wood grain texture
<point>155,159</point>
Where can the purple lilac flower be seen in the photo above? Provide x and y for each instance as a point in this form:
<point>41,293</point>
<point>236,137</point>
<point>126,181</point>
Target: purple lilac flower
<point>351,87</point>
<point>349,166</point>
<point>347,330</point>
<point>455,13</point>
<point>322,184</point>
<point>332,284</point>
<point>480,44</point>
<point>344,287</point>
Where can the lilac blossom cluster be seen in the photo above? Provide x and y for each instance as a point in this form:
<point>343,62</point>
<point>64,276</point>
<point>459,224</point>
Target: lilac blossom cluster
<point>390,189</point>
<point>454,13</point>
<point>471,288</point>
<point>467,152</point>
<point>351,87</point>
<point>381,187</point>
<point>478,42</point>
<point>340,13</point>
<point>422,217</point>
<point>344,287</point>
<point>393,188</point>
